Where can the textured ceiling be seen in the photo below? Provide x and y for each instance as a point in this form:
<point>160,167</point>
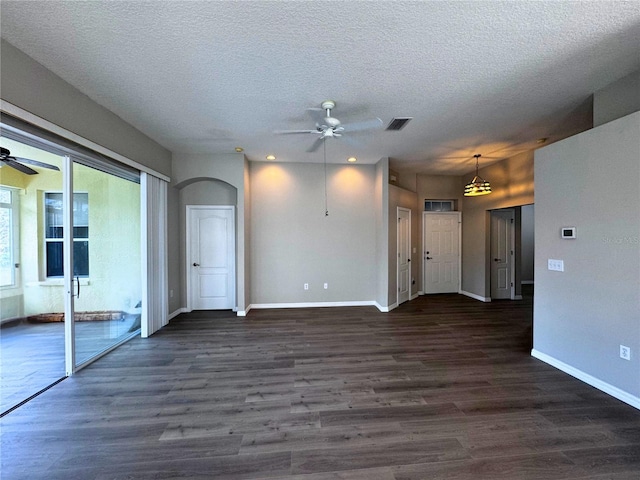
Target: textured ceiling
<point>483,77</point>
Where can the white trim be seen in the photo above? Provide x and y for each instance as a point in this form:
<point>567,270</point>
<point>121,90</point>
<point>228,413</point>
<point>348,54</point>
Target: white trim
<point>473,295</point>
<point>243,313</point>
<point>517,297</point>
<point>526,282</point>
<point>588,379</point>
<point>67,248</point>
<point>313,304</point>
<point>176,313</point>
<point>414,296</point>
<point>386,309</point>
<point>62,132</point>
<point>420,292</point>
<point>408,240</point>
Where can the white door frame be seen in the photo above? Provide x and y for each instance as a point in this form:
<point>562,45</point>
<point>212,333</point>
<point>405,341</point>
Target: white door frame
<point>188,257</point>
<point>424,247</point>
<point>512,257</point>
<point>404,210</point>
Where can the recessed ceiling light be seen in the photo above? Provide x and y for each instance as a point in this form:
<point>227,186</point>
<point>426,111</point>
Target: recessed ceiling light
<point>271,157</point>
<point>352,159</point>
<point>239,149</point>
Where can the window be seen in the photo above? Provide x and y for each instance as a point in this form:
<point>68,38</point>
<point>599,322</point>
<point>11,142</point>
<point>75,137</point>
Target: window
<point>8,232</point>
<point>439,206</point>
<point>54,234</point>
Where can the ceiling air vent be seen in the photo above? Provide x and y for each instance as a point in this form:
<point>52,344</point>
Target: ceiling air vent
<point>398,123</point>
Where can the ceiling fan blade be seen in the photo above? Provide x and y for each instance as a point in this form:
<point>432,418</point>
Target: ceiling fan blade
<point>18,166</point>
<point>360,126</point>
<point>352,142</point>
<point>35,163</point>
<point>317,114</point>
<point>316,144</point>
<point>287,132</point>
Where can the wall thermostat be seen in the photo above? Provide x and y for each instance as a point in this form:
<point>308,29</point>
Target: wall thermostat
<point>568,232</point>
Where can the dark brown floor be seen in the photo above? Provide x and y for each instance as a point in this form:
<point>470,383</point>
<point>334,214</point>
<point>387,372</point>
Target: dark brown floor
<point>441,388</point>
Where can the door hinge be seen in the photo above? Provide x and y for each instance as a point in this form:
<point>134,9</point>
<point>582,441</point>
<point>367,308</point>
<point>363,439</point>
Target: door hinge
<point>512,284</point>
<point>511,252</point>
<point>511,220</point>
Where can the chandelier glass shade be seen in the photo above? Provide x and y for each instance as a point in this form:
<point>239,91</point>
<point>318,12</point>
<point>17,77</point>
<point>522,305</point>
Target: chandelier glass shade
<point>478,186</point>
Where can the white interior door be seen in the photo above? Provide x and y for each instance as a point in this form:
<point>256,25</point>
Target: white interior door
<point>441,247</point>
<point>502,232</point>
<point>211,257</point>
<point>404,255</point>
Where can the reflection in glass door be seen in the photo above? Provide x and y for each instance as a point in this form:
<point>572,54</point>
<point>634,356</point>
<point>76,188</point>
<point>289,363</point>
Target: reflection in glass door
<point>70,262</point>
<point>32,331</point>
<point>106,261</point>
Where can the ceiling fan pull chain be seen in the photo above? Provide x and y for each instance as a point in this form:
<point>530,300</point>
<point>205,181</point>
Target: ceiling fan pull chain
<point>326,207</point>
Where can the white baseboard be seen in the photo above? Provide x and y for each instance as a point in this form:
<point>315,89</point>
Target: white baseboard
<point>473,295</point>
<point>177,312</point>
<point>526,282</point>
<point>243,313</point>
<point>420,292</point>
<point>414,296</point>
<point>314,304</point>
<point>588,379</point>
<point>517,297</point>
<point>386,309</point>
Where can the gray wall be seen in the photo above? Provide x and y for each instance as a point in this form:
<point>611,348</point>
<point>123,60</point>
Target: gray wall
<point>512,185</point>
<point>30,86</point>
<point>174,261</point>
<point>228,169</point>
<point>400,197</point>
<point>381,200</point>
<point>293,242</point>
<point>528,243</point>
<point>583,314</point>
<point>617,100</point>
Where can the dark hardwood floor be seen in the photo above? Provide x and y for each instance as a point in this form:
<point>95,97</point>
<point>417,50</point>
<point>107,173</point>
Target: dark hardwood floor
<point>441,388</point>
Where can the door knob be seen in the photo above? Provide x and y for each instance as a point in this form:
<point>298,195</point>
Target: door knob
<point>196,264</point>
<point>429,258</point>
<point>496,259</point>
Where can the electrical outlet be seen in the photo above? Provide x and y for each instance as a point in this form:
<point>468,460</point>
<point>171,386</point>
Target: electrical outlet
<point>306,286</point>
<point>171,293</point>
<point>326,286</point>
<point>625,352</point>
<point>556,265</point>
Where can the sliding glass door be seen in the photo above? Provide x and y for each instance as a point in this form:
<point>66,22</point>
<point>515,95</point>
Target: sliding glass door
<point>107,284</point>
<point>32,333</point>
<point>70,262</point>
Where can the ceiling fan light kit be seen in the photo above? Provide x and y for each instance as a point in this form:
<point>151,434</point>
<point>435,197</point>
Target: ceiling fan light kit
<point>328,126</point>
<point>478,186</point>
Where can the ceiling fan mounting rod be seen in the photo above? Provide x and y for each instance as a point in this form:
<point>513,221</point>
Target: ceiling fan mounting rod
<point>328,105</point>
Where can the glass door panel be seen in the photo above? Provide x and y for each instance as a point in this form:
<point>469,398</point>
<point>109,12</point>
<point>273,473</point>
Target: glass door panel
<point>32,330</point>
<point>106,261</point>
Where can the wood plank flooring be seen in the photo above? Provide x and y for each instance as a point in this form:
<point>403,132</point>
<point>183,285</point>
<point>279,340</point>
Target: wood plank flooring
<point>441,388</point>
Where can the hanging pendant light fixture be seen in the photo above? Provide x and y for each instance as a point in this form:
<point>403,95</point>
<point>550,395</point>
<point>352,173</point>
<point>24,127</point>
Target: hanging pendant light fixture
<point>477,186</point>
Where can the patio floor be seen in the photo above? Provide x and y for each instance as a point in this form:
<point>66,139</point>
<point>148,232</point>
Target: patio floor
<point>32,354</point>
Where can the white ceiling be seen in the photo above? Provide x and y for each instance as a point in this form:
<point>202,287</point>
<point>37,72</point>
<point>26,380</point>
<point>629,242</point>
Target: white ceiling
<point>484,77</point>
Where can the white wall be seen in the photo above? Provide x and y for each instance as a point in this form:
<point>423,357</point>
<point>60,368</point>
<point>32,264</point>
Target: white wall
<point>293,242</point>
<point>582,315</point>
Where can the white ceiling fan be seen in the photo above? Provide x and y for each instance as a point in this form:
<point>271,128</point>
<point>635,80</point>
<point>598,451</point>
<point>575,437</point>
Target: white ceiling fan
<point>328,126</point>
